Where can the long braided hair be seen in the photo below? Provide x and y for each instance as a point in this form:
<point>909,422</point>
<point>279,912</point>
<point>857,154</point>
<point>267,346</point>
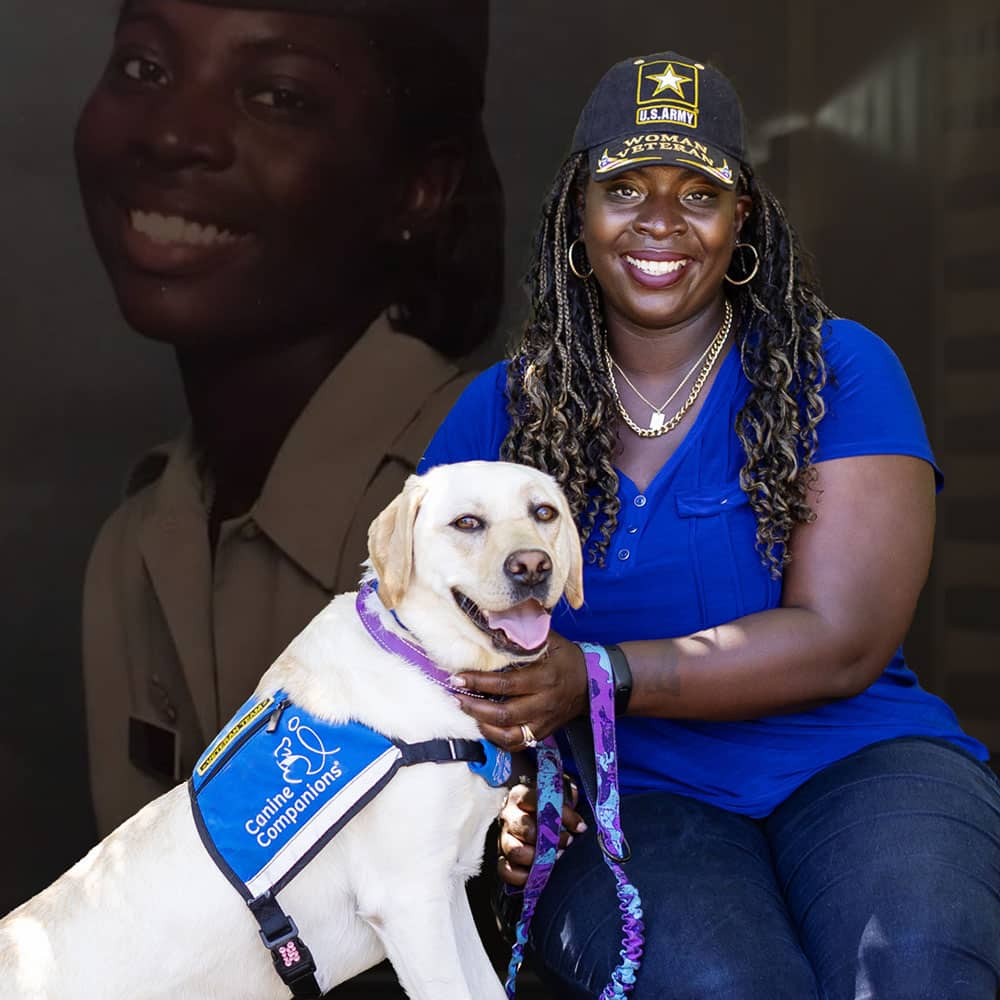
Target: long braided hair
<point>563,413</point>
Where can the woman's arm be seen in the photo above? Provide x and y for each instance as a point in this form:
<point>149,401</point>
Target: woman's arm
<point>847,601</point>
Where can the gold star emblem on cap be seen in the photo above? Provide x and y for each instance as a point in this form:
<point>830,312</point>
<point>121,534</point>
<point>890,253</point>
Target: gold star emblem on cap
<point>669,80</point>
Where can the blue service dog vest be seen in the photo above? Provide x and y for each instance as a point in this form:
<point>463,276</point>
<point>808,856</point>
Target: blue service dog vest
<point>278,783</point>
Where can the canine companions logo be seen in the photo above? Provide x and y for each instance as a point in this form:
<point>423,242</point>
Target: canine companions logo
<point>296,767</point>
<point>667,92</point>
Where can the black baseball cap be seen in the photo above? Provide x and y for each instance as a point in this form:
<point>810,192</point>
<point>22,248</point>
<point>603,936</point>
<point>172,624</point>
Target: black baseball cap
<point>667,109</point>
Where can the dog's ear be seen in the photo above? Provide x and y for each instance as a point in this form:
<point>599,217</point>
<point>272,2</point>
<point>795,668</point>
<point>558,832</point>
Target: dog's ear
<point>574,580</point>
<point>390,542</point>
<point>571,540</point>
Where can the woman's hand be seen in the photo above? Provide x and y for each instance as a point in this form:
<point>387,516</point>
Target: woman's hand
<point>543,696</point>
<point>518,831</point>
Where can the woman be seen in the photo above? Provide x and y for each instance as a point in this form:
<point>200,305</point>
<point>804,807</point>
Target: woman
<point>755,492</point>
<point>297,196</point>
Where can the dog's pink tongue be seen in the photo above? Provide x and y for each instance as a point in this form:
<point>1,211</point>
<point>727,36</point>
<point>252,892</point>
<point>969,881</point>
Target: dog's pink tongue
<point>526,624</point>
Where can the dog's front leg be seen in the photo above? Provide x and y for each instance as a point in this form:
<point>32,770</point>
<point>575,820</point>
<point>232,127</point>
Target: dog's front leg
<point>479,971</point>
<point>417,933</point>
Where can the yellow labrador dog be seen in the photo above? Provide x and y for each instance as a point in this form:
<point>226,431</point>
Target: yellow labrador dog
<point>471,558</point>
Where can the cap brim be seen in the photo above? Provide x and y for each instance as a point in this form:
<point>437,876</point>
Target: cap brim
<point>633,152</point>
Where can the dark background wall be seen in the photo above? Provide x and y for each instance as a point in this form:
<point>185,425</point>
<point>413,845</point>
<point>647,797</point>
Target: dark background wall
<point>877,123</point>
<point>895,187</point>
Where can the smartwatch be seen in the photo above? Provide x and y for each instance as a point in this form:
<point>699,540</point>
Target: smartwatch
<point>622,677</point>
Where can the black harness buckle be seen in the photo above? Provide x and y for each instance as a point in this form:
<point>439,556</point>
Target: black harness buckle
<point>281,936</point>
<point>293,961</point>
<point>295,965</point>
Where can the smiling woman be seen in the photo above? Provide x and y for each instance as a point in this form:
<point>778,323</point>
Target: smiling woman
<point>297,196</point>
<point>626,231</point>
<point>754,488</point>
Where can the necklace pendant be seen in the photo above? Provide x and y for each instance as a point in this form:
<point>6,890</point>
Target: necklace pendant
<point>656,421</point>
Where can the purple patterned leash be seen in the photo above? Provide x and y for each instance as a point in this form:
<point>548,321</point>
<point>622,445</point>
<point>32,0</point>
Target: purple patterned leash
<point>548,824</point>
<point>608,815</point>
<point>609,830</point>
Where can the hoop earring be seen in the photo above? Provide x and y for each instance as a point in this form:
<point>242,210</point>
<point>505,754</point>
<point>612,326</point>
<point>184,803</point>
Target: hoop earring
<point>756,265</point>
<point>572,265</point>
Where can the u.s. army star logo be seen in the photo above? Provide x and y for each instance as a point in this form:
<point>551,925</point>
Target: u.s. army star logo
<point>669,80</point>
<point>667,91</point>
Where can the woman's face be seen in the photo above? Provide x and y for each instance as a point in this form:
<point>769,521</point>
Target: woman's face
<point>660,239</point>
<point>237,172</point>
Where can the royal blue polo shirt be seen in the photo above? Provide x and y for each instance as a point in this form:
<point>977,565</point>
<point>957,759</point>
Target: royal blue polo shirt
<point>683,559</point>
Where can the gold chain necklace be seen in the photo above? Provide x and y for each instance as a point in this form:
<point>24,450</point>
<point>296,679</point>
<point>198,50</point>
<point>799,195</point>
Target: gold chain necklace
<point>657,419</point>
<point>658,426</point>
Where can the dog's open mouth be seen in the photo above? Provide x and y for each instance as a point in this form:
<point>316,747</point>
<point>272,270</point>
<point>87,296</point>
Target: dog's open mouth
<point>520,630</point>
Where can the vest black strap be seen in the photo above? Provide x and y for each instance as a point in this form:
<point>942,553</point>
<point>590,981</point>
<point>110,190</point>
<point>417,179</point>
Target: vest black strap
<point>292,959</point>
<point>442,751</point>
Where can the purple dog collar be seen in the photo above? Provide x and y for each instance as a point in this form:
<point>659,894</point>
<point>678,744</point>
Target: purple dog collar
<point>392,642</point>
<point>496,768</point>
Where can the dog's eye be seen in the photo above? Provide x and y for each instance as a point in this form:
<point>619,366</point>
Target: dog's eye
<point>467,523</point>
<point>545,513</point>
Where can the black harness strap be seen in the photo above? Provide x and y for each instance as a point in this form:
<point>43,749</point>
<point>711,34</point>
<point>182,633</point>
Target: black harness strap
<point>292,959</point>
<point>442,752</point>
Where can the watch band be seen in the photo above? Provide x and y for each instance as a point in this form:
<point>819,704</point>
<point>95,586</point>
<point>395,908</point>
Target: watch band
<point>622,675</point>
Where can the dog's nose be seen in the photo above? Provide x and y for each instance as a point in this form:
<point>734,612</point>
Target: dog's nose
<point>528,566</point>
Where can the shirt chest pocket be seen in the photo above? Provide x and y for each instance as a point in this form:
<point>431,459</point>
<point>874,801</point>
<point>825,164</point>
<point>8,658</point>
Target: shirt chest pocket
<point>709,502</point>
<point>720,530</point>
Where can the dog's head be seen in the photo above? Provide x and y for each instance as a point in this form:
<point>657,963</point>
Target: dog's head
<point>474,556</point>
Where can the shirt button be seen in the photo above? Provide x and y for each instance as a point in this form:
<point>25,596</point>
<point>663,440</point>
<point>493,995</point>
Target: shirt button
<point>250,530</point>
<point>633,530</point>
<point>623,554</point>
<point>640,501</point>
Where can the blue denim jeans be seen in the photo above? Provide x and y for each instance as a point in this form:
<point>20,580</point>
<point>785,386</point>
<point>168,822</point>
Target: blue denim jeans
<point>879,879</point>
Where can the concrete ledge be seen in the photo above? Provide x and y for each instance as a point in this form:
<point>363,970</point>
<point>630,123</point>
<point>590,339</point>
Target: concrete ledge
<point>380,983</point>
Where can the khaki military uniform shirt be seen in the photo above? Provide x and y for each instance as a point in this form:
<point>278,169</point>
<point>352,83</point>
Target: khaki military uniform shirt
<point>173,644</point>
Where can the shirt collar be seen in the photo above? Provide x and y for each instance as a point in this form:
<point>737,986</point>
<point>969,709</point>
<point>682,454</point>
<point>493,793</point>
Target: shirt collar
<point>357,419</point>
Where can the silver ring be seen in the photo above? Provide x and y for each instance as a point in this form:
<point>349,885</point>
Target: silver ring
<point>527,736</point>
